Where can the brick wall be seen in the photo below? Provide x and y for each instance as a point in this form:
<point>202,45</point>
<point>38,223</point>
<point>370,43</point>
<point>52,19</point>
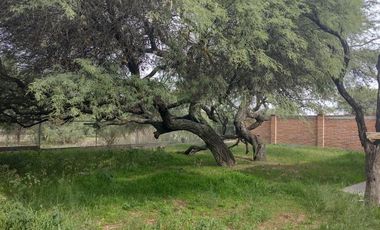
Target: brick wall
<point>321,131</point>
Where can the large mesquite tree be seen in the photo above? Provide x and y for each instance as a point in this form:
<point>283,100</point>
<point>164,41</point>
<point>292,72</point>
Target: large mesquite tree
<point>176,65</point>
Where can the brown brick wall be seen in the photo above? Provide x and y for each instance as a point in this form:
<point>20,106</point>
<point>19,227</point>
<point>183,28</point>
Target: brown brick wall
<point>297,131</point>
<point>322,131</point>
<point>264,131</point>
<point>342,132</point>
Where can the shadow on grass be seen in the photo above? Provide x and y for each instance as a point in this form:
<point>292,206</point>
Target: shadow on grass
<point>68,162</point>
<point>345,169</point>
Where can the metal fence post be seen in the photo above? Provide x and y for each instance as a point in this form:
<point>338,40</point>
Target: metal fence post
<point>96,136</point>
<point>137,137</point>
<point>39,135</point>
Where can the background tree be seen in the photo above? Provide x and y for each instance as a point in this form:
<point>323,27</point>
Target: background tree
<point>336,21</point>
<point>360,80</point>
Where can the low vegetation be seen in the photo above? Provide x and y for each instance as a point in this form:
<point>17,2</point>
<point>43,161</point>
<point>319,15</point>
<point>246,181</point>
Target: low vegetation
<point>297,188</point>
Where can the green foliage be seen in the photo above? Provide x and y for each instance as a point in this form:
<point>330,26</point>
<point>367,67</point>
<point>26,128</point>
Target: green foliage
<point>66,5</point>
<point>14,215</point>
<point>269,47</point>
<point>299,188</point>
<point>365,96</point>
<point>363,67</point>
<point>111,134</point>
<point>345,16</point>
<point>347,20</point>
<point>65,134</point>
<point>361,81</point>
<point>93,89</point>
<point>202,14</point>
<point>211,46</point>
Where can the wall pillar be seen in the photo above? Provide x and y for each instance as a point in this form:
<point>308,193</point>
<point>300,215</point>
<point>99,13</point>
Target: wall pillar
<point>321,130</point>
<point>273,129</point>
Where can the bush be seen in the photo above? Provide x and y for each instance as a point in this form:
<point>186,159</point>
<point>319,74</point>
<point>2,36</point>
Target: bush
<point>15,216</point>
<point>110,135</point>
<point>66,134</point>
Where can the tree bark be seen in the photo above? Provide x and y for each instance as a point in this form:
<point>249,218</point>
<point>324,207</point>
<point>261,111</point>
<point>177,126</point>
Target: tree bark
<point>372,159</point>
<point>222,154</point>
<point>258,147</point>
<point>260,150</point>
<point>218,148</point>
<point>372,170</point>
<point>194,149</point>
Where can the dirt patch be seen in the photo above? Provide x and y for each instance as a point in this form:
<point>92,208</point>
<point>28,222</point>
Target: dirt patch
<point>179,204</point>
<point>283,220</point>
<point>112,226</point>
<point>151,221</point>
<point>135,214</point>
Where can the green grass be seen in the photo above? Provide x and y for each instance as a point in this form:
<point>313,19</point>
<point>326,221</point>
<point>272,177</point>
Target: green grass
<point>297,188</point>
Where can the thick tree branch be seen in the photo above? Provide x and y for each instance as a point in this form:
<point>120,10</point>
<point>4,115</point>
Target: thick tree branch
<point>260,102</point>
<point>194,149</point>
<point>178,103</point>
<point>154,71</point>
<point>136,120</point>
<point>210,113</point>
<point>346,48</point>
<point>365,43</point>
<point>223,121</point>
<point>234,145</point>
<point>6,77</point>
<point>230,137</point>
<point>150,32</point>
<point>13,119</point>
<point>259,121</point>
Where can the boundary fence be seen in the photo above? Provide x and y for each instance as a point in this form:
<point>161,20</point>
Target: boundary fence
<point>322,131</point>
<point>81,134</point>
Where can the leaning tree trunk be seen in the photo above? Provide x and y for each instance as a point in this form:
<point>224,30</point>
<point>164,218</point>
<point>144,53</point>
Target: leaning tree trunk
<point>218,148</point>
<point>222,154</point>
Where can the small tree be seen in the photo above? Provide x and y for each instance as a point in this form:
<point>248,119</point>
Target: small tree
<point>337,25</point>
<point>110,134</point>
